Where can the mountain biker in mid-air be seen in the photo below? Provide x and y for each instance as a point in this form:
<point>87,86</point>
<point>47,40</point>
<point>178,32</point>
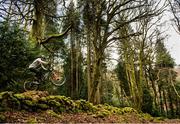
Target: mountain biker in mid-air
<point>37,66</point>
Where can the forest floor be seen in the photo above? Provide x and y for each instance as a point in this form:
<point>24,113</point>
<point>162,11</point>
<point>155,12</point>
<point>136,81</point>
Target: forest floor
<point>45,117</point>
<point>40,107</point>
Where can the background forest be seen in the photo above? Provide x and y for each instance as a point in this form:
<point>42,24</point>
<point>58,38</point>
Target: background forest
<point>85,38</point>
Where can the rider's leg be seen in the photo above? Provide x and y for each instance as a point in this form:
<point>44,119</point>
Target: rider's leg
<point>35,72</point>
<point>40,74</point>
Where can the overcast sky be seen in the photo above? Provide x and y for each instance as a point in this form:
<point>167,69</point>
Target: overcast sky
<point>173,41</point>
<point>173,45</point>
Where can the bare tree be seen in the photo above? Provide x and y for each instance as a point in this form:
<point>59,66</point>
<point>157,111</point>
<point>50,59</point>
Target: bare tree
<point>105,25</point>
<point>175,9</point>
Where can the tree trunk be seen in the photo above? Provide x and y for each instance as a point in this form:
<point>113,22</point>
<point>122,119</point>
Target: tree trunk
<point>134,87</point>
<point>77,66</point>
<point>94,94</point>
<point>177,107</point>
<point>161,101</point>
<point>38,24</point>
<point>73,66</point>
<point>89,67</point>
<point>141,79</point>
<point>153,87</point>
<point>171,103</point>
<point>165,101</point>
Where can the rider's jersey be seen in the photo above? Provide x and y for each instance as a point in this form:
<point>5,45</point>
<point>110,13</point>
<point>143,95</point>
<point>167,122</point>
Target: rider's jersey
<point>36,63</point>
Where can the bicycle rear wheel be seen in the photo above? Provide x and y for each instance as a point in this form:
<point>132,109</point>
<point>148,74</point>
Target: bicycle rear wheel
<point>57,81</point>
<point>30,85</point>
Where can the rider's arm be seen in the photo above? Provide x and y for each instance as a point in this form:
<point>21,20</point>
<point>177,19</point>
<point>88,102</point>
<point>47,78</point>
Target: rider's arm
<point>43,67</point>
<point>43,62</point>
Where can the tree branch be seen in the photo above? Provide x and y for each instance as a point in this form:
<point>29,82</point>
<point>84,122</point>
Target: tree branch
<point>55,36</point>
<point>177,21</point>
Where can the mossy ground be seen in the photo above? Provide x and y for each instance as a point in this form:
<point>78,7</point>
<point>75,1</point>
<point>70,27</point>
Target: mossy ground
<point>38,106</point>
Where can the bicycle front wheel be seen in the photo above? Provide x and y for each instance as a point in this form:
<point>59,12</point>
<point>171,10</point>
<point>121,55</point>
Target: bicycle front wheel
<point>59,81</point>
<point>31,85</point>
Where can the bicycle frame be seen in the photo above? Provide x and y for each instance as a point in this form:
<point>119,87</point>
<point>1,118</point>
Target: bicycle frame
<point>51,76</point>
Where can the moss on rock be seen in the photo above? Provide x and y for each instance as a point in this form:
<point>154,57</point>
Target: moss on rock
<point>30,103</point>
<point>102,113</point>
<point>85,106</point>
<point>146,117</point>
<point>20,96</point>
<point>53,114</point>
<point>128,110</point>
<point>42,106</point>
<point>2,118</point>
<point>39,100</point>
<point>32,121</point>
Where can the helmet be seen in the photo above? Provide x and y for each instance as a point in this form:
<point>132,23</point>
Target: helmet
<point>43,57</point>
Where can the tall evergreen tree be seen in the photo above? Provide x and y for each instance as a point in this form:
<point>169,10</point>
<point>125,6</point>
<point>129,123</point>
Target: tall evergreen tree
<point>165,74</point>
<point>15,54</point>
<point>75,64</point>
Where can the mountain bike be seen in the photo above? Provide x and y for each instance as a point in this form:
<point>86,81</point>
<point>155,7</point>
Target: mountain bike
<point>53,76</point>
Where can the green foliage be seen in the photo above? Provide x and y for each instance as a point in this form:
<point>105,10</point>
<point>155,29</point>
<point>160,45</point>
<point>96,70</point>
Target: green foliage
<point>85,106</point>
<point>163,57</point>
<point>146,117</point>
<point>121,74</point>
<point>31,121</point>
<point>159,119</point>
<point>128,110</point>
<point>147,106</point>
<point>15,56</point>
<point>2,118</point>
<point>166,77</point>
<point>73,18</point>
<point>74,56</point>
<point>53,114</point>
<point>42,106</point>
<point>30,103</point>
<point>105,110</point>
<point>107,89</point>
<point>155,112</point>
<point>103,113</point>
<point>20,96</point>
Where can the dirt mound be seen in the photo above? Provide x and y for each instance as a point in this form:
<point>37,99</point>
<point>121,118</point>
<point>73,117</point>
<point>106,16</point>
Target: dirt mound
<point>35,95</point>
